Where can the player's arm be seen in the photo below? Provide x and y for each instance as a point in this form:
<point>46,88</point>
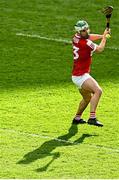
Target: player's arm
<point>95,37</point>
<point>101,46</point>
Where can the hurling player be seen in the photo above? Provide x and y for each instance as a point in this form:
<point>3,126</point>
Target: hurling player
<point>83,48</point>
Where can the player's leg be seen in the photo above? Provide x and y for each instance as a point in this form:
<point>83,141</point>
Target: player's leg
<point>85,101</point>
<point>92,86</point>
<point>82,106</point>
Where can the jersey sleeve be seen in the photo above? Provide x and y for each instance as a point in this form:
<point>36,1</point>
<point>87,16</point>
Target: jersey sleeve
<point>92,45</point>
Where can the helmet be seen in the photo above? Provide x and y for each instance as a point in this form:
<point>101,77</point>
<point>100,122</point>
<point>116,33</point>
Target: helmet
<point>81,25</point>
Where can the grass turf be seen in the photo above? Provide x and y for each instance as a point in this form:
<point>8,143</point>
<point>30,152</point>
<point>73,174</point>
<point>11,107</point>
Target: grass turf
<point>38,97</point>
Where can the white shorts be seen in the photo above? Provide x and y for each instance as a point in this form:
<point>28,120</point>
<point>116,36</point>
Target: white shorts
<point>79,80</point>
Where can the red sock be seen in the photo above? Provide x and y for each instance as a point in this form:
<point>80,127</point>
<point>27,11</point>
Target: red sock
<point>92,115</point>
<point>78,116</point>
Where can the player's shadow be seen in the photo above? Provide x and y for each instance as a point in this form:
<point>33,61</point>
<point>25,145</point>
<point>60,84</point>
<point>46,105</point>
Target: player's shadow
<point>47,147</point>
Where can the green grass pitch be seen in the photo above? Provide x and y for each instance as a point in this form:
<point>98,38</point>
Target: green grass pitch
<point>38,99</point>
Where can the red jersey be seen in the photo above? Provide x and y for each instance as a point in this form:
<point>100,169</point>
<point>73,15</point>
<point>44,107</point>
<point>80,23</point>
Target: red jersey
<point>82,51</point>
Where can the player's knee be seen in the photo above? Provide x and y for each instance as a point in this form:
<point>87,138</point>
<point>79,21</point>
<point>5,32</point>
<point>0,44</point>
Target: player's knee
<point>88,98</point>
<point>99,91</point>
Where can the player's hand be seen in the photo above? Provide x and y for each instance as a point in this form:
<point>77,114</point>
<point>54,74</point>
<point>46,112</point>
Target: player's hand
<point>107,31</point>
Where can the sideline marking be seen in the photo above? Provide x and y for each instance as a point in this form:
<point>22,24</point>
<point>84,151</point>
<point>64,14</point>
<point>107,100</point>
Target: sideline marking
<point>53,39</point>
<point>59,140</point>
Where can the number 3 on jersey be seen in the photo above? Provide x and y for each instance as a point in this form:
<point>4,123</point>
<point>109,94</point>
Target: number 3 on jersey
<point>75,51</point>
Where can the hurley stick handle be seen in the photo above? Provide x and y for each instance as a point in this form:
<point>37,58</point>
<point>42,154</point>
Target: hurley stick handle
<point>108,23</point>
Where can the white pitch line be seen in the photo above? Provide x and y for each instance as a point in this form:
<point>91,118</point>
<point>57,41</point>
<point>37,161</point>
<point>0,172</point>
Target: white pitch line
<point>45,38</point>
<point>54,39</point>
<point>60,140</point>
